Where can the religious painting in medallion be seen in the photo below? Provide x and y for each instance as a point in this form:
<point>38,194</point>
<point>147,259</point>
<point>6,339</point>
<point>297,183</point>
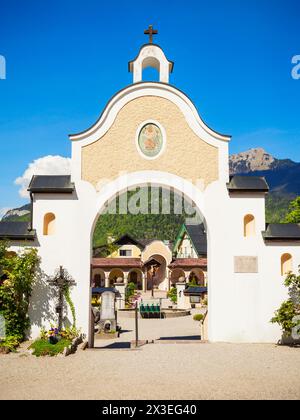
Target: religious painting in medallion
<point>150,140</point>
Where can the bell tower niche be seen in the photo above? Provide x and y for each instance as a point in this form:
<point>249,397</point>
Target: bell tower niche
<point>151,55</point>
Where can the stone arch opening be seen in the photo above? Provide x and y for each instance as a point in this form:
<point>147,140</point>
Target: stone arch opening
<point>136,276</point>
<point>98,277</point>
<point>115,275</point>
<point>197,276</point>
<point>111,190</point>
<point>177,275</point>
<point>150,70</point>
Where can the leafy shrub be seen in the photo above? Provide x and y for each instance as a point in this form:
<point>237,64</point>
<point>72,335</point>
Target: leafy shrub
<point>11,342</point>
<point>289,309</point>
<point>172,295</point>
<point>130,291</point>
<point>198,317</point>
<point>193,282</point>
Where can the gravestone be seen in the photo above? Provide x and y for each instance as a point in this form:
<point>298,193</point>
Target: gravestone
<point>108,320</point>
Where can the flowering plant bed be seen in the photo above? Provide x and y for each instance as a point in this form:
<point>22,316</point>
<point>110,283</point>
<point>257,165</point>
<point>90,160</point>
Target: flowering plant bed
<point>56,341</point>
<point>42,347</point>
<point>55,334</point>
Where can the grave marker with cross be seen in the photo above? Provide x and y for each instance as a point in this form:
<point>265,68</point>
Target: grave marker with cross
<point>62,280</point>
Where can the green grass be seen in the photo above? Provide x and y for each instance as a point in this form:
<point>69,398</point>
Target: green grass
<point>44,348</point>
<point>198,317</point>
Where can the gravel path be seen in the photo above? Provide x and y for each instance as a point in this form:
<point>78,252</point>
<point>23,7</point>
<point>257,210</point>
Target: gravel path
<point>157,371</point>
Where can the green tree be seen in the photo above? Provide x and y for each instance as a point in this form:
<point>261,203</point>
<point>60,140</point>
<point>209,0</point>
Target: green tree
<point>294,212</point>
<point>18,274</point>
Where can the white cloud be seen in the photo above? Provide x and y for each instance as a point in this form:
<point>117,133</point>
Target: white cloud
<point>47,165</point>
<point>3,211</point>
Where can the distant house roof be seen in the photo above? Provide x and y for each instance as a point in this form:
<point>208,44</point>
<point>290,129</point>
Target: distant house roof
<point>282,231</point>
<point>116,262</point>
<point>127,239</point>
<point>16,231</point>
<point>60,184</point>
<point>197,235</point>
<point>244,183</point>
<point>188,263</point>
<point>195,291</point>
<point>151,261</point>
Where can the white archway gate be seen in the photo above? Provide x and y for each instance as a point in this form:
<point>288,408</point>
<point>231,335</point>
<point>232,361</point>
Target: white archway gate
<point>151,133</point>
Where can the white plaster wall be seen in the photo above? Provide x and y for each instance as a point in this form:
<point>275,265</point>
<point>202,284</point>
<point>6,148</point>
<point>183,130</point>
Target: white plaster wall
<point>240,305</point>
<point>151,56</point>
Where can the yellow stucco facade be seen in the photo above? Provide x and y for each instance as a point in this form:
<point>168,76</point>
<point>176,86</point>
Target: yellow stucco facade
<point>135,251</point>
<point>185,154</point>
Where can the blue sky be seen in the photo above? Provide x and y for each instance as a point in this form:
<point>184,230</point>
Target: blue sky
<point>65,59</point>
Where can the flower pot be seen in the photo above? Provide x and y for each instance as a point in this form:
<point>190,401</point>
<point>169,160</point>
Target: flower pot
<point>53,339</point>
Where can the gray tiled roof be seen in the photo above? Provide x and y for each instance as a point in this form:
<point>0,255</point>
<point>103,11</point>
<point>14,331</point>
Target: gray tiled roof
<point>198,237</point>
<point>247,183</point>
<point>282,231</point>
<point>197,290</point>
<point>52,184</point>
<point>16,230</point>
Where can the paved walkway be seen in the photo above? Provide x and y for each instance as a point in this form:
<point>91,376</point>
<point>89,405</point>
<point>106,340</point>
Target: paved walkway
<point>169,371</point>
<point>182,328</point>
<point>156,371</point>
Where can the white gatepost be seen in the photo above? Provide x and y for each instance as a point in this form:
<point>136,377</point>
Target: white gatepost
<point>144,282</point>
<point>126,278</point>
<point>106,279</point>
<point>180,295</point>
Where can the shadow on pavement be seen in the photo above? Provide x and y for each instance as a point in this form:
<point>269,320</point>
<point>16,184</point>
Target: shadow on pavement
<point>124,345</point>
<point>188,337</point>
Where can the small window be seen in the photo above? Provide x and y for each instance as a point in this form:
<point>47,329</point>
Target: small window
<point>49,224</point>
<point>125,253</point>
<point>286,264</point>
<point>249,226</point>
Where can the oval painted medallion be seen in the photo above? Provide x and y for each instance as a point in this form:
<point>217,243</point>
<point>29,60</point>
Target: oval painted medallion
<point>150,140</point>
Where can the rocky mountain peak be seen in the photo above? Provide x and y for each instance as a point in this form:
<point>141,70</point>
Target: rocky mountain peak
<point>252,160</point>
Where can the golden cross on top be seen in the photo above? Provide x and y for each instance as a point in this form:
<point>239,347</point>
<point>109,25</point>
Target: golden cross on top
<point>150,31</point>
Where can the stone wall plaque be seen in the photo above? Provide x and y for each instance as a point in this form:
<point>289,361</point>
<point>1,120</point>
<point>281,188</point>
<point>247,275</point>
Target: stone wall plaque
<point>245,264</point>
